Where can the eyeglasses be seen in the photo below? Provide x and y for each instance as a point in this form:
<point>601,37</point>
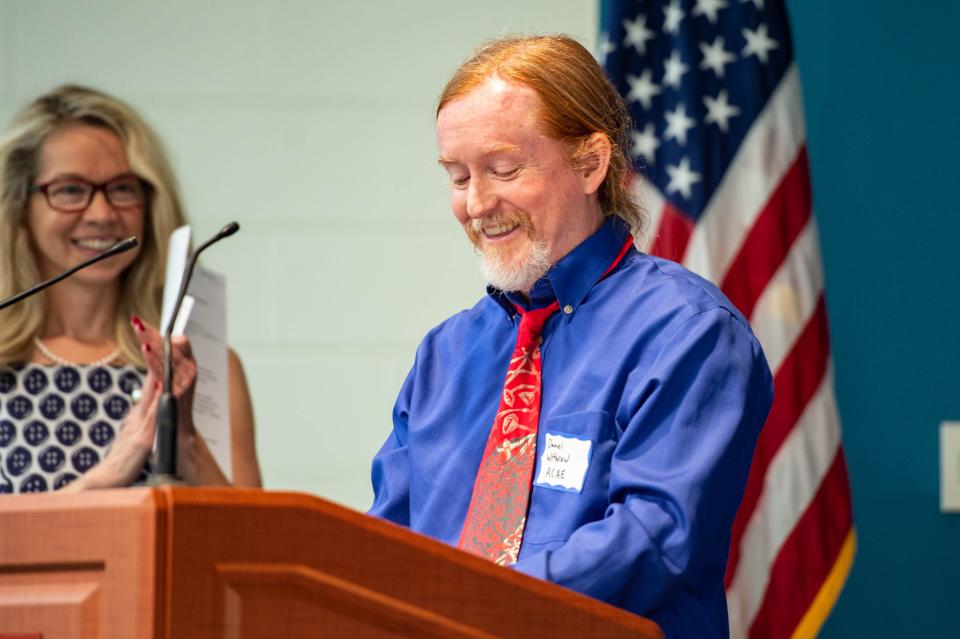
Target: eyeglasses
<point>72,195</point>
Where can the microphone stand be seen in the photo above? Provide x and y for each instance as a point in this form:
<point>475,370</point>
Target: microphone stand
<point>119,247</point>
<point>167,418</point>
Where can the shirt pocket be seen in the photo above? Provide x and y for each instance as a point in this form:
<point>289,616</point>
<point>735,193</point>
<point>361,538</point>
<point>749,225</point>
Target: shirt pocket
<point>555,513</point>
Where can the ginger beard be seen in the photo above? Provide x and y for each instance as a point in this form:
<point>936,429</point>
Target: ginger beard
<point>514,265</point>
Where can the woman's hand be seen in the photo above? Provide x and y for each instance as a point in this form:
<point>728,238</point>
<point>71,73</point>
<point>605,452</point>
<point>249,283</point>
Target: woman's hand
<point>130,450</point>
<point>195,462</point>
<point>184,368</point>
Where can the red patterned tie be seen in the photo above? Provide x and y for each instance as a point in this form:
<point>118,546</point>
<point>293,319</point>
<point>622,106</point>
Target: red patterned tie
<point>498,507</point>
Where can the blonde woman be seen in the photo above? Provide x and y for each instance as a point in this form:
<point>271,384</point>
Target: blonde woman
<point>79,171</point>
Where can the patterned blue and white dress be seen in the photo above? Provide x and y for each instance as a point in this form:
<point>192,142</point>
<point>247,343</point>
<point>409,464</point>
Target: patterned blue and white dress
<point>58,421</point>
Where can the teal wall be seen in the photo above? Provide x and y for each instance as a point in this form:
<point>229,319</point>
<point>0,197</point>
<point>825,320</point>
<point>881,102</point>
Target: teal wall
<point>880,84</point>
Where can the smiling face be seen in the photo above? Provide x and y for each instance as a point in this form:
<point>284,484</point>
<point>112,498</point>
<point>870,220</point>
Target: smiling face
<point>521,202</point>
<point>62,240</point>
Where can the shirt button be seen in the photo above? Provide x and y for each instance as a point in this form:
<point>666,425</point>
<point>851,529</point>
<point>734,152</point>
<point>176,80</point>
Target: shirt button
<point>567,309</point>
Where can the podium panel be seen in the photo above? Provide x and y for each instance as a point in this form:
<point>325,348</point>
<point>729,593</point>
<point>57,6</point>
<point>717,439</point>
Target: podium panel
<point>187,563</point>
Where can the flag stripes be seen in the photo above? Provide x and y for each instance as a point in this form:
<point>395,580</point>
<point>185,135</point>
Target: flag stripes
<point>791,484</point>
<point>784,307</point>
<point>794,385</point>
<point>797,574</point>
<point>810,625</point>
<point>672,235</point>
<point>766,244</point>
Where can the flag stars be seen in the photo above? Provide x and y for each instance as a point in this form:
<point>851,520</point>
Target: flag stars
<point>642,89</point>
<point>759,43</point>
<point>672,17</point>
<point>719,111</point>
<point>715,57</point>
<point>645,143</point>
<point>682,179</point>
<point>637,34</point>
<point>677,125</point>
<point>673,70</point>
<point>710,8</point>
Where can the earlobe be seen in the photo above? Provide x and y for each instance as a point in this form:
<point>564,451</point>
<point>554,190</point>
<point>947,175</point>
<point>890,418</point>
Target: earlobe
<point>596,161</point>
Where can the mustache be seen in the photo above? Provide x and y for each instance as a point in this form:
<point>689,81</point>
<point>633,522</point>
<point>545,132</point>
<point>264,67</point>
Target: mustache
<point>474,228</point>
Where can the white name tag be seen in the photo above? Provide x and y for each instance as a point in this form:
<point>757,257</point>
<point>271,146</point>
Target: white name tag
<point>564,462</point>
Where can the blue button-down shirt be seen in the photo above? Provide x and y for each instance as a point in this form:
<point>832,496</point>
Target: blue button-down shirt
<point>658,371</point>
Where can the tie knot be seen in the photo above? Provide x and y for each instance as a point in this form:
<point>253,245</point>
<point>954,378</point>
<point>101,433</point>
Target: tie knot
<point>532,321</point>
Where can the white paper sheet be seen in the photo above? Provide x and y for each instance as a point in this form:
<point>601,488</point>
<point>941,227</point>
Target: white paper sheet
<point>203,319</point>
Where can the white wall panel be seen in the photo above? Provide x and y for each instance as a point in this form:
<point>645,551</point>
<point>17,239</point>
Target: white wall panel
<point>324,410</point>
<point>9,51</point>
<point>309,167</point>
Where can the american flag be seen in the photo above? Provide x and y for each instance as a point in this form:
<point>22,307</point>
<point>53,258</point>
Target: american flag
<point>719,145</point>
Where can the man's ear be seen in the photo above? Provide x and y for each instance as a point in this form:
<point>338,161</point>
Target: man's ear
<point>595,161</point>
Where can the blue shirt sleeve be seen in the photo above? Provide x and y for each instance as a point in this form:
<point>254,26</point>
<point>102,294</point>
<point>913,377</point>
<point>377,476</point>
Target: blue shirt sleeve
<point>390,471</point>
<point>689,425</point>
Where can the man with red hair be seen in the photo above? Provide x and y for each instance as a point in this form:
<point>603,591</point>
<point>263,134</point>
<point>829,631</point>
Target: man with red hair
<point>591,420</point>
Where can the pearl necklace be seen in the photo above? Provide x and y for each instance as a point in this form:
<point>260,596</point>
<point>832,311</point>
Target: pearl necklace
<point>59,360</point>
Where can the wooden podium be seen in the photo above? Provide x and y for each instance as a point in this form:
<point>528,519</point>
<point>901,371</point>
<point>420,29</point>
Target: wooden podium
<point>179,563</point>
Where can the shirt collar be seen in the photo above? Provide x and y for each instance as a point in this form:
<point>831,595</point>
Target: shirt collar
<point>570,279</point>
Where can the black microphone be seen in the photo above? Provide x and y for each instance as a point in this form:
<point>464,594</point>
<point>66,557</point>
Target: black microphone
<point>119,247</point>
<point>166,466</point>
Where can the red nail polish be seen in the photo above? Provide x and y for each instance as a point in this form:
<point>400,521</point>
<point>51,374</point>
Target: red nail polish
<point>147,348</point>
<point>137,322</point>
